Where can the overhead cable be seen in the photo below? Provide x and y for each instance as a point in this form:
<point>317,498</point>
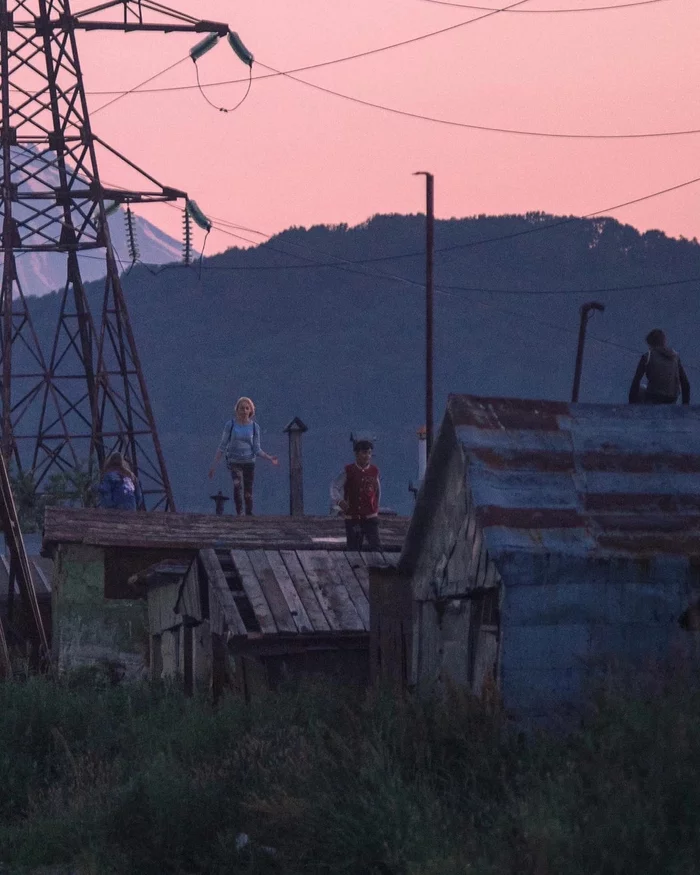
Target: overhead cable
<point>137,87</point>
<point>347,265</point>
<point>472,243</point>
<point>607,8</point>
<point>441,289</point>
<point>353,57</point>
<point>474,127</point>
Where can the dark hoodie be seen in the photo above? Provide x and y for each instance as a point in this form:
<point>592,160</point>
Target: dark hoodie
<point>665,378</point>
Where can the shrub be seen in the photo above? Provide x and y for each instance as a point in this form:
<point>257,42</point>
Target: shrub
<point>316,780</point>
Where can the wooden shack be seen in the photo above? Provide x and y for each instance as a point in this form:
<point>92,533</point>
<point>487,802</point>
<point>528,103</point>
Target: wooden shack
<point>550,540</point>
<point>252,618</point>
<point>206,598</point>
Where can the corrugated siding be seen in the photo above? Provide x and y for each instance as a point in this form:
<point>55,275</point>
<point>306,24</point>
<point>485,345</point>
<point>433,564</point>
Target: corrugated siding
<point>592,515</point>
<point>550,476</point>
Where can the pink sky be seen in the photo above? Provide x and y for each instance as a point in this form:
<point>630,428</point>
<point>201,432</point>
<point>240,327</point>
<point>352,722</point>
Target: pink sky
<point>292,155</point>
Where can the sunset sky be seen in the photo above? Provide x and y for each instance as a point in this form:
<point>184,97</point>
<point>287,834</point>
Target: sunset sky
<point>294,155</point>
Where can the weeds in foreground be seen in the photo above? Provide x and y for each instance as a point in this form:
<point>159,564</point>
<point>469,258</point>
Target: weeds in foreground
<point>317,780</point>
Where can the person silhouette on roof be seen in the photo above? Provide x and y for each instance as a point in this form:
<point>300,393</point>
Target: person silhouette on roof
<point>119,489</point>
<point>665,376</point>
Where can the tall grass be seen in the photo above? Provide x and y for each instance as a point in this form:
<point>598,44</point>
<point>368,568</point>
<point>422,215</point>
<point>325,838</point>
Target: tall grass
<point>317,780</point>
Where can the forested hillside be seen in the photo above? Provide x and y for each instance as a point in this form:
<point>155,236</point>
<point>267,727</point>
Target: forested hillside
<point>342,346</point>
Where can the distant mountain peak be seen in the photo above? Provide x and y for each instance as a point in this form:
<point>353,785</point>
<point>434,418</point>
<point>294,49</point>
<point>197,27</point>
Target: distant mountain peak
<point>44,272</point>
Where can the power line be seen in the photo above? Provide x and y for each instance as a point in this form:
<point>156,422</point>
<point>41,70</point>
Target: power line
<point>393,110</point>
<point>136,87</point>
<point>474,127</point>
<point>276,73</point>
<point>224,108</point>
<point>332,62</point>
<point>533,230</point>
<point>560,292</point>
<point>558,224</point>
<point>441,290</point>
<point>347,265</point>
<point>550,11</point>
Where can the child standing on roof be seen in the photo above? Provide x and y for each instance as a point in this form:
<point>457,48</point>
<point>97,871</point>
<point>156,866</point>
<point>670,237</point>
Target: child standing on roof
<point>240,442</point>
<point>356,491</point>
<point>119,489</point>
<point>665,375</point>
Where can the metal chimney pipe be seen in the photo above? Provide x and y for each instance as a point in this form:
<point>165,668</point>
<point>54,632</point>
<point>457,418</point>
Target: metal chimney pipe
<point>295,429</point>
<point>587,311</point>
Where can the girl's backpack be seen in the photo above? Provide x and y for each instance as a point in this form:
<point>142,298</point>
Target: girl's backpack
<point>256,433</point>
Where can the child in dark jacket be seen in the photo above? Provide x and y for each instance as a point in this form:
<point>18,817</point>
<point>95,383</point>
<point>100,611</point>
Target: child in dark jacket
<point>119,489</point>
<point>666,378</point>
<point>356,491</point>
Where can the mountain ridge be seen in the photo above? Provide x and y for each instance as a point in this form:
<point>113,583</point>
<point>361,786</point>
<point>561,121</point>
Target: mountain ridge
<point>342,347</point>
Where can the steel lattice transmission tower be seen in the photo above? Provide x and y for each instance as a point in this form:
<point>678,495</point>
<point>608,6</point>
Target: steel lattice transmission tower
<point>85,394</point>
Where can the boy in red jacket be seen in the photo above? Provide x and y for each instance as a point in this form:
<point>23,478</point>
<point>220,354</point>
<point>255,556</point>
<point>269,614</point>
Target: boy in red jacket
<point>356,491</point>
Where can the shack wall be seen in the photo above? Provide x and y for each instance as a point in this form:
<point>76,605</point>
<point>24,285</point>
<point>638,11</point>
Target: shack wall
<point>565,619</point>
<point>450,569</point>
<point>89,629</point>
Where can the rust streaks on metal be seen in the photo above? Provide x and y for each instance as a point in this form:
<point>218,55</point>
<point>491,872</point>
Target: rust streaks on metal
<point>506,413</point>
<point>641,503</point>
<point>520,460</point>
<point>613,479</point>
<point>649,543</point>
<point>530,517</point>
<point>616,460</point>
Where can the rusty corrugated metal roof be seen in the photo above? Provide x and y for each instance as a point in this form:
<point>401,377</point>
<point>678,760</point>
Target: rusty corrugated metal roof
<point>585,478</point>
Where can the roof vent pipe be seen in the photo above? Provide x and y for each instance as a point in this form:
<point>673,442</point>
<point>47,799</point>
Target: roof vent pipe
<point>295,429</point>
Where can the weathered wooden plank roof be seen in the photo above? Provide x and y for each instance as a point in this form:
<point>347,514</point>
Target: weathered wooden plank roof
<point>582,478</point>
<point>296,592</point>
<point>114,528</point>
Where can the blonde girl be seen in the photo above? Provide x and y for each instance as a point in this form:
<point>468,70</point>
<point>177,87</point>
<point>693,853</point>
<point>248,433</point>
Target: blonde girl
<point>240,443</point>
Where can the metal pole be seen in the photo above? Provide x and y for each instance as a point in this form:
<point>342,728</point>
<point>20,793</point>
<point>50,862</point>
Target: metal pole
<point>429,248</point>
<point>586,313</point>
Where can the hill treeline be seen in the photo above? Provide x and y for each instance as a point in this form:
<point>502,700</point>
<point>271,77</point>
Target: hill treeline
<point>342,345</point>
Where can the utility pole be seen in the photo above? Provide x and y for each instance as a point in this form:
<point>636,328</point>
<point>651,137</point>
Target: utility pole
<point>429,248</point>
<point>587,311</point>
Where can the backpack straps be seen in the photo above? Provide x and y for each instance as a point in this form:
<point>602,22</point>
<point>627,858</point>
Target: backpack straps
<point>256,430</point>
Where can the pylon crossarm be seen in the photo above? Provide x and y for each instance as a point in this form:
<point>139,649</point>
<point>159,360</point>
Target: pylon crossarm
<point>175,21</point>
<point>166,192</point>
